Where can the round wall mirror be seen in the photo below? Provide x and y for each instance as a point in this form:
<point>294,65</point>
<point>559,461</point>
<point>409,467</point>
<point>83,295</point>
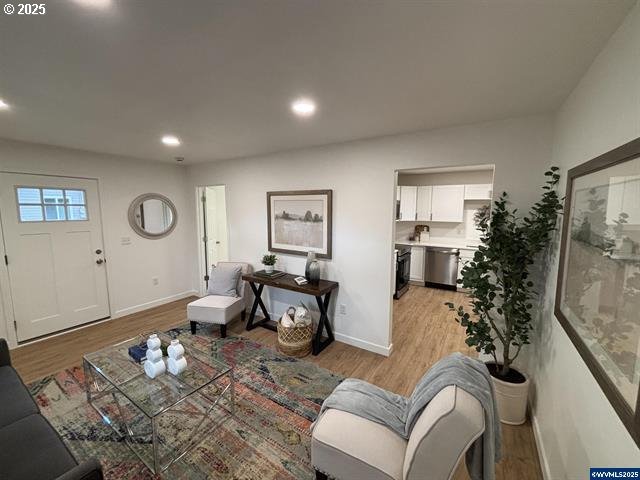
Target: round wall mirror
<point>152,215</point>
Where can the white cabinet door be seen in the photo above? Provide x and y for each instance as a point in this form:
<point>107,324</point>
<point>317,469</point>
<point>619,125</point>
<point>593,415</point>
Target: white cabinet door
<point>447,203</point>
<point>416,272</point>
<point>408,197</point>
<point>423,204</point>
<point>478,192</point>
<point>465,256</point>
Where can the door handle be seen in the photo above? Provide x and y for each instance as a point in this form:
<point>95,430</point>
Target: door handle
<point>99,261</point>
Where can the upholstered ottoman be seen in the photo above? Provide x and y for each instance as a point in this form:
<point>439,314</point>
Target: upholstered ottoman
<point>348,447</point>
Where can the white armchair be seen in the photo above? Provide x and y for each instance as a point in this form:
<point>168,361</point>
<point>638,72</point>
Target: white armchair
<point>219,309</point>
<point>347,447</point>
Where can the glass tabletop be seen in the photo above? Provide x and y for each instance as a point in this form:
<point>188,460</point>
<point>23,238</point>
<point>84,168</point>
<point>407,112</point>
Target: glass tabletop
<point>152,396</point>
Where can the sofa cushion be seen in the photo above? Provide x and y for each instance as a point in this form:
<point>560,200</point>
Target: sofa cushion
<point>346,446</point>
<point>215,309</point>
<point>30,448</point>
<point>15,400</point>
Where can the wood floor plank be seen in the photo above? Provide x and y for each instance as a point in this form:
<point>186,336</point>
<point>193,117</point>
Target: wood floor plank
<point>423,332</point>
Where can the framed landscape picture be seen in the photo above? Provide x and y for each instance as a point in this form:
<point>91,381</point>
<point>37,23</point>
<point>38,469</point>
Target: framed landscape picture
<point>300,222</point>
<point>598,290</point>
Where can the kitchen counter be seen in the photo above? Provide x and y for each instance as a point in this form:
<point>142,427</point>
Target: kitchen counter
<point>440,242</point>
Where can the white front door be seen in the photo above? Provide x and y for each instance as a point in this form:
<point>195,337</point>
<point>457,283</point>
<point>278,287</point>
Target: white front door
<point>55,254</point>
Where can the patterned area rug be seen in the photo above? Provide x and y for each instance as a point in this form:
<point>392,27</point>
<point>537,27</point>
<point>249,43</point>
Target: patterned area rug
<point>277,399</point>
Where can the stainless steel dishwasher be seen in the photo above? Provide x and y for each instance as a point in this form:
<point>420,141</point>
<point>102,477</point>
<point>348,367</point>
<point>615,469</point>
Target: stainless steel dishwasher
<point>441,266</point>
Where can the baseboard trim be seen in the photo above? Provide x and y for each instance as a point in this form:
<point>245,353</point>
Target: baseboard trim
<point>542,455</point>
<point>154,303</point>
<point>356,342</point>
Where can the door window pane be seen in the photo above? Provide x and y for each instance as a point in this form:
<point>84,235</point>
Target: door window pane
<point>74,197</point>
<point>29,195</point>
<point>30,213</point>
<point>54,213</point>
<point>51,204</point>
<point>76,212</point>
<point>52,196</point>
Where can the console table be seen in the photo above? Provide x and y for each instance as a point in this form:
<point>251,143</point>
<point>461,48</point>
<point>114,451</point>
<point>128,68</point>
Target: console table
<point>321,292</point>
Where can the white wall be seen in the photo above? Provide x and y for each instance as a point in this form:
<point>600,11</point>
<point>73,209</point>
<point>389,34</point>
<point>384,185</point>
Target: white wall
<point>575,424</point>
<point>130,267</point>
<point>362,175</point>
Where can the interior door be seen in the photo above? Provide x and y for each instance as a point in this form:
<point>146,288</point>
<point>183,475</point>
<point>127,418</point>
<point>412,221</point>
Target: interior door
<point>55,254</point>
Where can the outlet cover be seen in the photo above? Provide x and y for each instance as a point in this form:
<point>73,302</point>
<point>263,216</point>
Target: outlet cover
<point>342,309</point>
<point>155,280</point>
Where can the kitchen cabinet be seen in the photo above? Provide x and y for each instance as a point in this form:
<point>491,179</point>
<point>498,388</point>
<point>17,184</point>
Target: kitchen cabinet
<point>408,199</point>
<point>478,192</point>
<point>447,203</point>
<point>423,204</point>
<point>416,272</point>
<point>465,256</point>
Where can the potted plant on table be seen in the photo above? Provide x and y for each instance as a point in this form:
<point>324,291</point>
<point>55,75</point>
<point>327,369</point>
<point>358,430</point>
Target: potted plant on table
<point>501,292</point>
<point>269,260</point>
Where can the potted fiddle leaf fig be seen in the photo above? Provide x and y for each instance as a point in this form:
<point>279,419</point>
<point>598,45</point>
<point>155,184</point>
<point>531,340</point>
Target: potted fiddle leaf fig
<point>501,293</point>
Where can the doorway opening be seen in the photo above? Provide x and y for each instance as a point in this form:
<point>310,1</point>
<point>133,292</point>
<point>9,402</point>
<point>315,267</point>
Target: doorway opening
<point>435,233</point>
<point>213,229</point>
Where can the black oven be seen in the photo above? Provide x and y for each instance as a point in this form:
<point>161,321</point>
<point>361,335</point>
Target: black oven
<point>403,269</point>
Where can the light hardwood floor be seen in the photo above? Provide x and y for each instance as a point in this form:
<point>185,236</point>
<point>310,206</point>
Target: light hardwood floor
<point>423,332</point>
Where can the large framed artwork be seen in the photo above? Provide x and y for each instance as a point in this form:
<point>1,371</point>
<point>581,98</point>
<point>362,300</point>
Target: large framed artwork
<point>300,222</point>
<point>598,290</point>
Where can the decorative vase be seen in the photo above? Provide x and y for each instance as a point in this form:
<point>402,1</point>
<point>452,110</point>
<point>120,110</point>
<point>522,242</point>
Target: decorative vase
<point>311,257</point>
<point>511,398</point>
<point>313,272</point>
<point>268,268</point>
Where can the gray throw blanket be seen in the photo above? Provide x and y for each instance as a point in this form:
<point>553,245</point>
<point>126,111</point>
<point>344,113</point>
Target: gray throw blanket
<point>400,413</point>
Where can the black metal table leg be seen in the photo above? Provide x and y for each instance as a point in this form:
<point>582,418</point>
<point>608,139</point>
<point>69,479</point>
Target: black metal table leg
<point>266,321</point>
<point>319,344</point>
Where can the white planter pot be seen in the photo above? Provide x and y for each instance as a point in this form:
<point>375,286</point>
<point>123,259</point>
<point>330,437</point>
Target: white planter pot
<point>512,400</point>
<point>268,268</point>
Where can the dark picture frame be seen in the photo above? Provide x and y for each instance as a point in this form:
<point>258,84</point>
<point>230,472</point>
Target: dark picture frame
<point>319,222</point>
<point>630,416</point>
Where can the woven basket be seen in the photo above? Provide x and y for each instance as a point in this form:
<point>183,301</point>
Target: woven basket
<point>295,341</point>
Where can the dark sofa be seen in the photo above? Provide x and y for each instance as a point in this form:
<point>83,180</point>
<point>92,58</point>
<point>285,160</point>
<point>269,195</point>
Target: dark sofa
<point>29,446</point>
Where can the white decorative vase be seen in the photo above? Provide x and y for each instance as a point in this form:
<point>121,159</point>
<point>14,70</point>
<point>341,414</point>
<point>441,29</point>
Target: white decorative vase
<point>153,369</point>
<point>512,400</point>
<point>268,268</point>
<point>176,363</point>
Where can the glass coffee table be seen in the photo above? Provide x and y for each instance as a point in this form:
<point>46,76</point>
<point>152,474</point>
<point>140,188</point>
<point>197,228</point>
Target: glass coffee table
<point>161,419</point>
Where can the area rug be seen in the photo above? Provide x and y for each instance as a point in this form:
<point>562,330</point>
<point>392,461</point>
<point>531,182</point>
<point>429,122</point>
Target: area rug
<point>277,399</point>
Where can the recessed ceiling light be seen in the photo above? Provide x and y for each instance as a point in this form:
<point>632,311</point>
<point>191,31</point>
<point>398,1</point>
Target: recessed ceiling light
<point>3,105</point>
<point>94,3</point>
<point>303,107</point>
<point>171,140</point>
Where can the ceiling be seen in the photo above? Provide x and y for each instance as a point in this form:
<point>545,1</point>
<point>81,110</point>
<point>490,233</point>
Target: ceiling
<point>114,76</point>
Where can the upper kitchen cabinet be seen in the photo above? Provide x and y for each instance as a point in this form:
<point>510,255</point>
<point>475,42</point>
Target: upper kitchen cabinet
<point>447,203</point>
<point>481,191</point>
<point>423,204</point>
<point>408,199</point>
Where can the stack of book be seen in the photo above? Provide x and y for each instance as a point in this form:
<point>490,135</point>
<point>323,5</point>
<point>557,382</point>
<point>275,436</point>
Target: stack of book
<point>274,274</point>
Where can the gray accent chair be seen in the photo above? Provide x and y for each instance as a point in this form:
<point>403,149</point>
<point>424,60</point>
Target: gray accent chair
<point>30,448</point>
<point>218,309</point>
<point>347,447</point>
